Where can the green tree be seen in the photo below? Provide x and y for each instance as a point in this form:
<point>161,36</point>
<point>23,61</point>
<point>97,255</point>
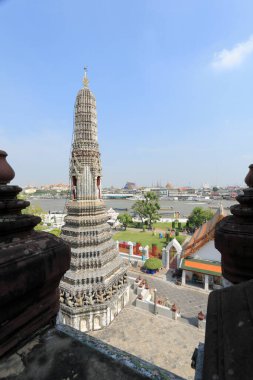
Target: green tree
<point>125,219</point>
<point>151,208</point>
<point>148,208</point>
<point>36,210</point>
<point>55,231</point>
<point>139,208</point>
<point>198,217</point>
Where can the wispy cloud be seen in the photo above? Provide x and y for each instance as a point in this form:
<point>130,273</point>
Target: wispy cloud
<point>228,59</point>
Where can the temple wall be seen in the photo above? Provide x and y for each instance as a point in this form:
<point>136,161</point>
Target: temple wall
<point>96,319</point>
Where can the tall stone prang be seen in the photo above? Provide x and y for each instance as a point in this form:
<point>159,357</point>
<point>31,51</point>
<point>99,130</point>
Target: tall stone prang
<point>95,288</point>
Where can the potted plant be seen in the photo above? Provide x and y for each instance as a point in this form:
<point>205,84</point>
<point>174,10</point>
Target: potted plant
<point>152,265</point>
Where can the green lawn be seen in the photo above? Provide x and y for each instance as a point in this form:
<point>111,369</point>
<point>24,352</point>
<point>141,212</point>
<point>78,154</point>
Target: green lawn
<point>164,226</point>
<point>144,238</point>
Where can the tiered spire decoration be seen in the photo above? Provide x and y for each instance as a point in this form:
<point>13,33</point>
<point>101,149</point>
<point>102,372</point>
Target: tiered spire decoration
<point>95,288</point>
<point>85,78</point>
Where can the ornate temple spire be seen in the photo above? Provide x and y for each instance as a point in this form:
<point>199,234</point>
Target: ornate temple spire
<point>95,288</point>
<point>85,78</point>
<point>85,167</point>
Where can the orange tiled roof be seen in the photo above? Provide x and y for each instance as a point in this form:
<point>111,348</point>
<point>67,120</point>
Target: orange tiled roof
<point>203,234</point>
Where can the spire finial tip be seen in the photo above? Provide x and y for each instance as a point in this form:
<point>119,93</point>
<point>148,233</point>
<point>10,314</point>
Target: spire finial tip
<point>85,79</point>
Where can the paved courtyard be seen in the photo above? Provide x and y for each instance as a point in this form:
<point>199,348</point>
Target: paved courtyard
<point>189,301</point>
<point>159,340</point>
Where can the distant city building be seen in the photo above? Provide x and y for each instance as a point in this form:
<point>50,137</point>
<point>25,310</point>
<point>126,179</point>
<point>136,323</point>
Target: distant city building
<point>57,187</point>
<point>173,193</point>
<point>169,186</point>
<point>187,190</point>
<point>159,191</point>
<point>95,288</point>
<point>130,186</point>
<point>30,190</point>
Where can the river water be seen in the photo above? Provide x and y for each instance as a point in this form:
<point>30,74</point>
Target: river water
<point>124,205</point>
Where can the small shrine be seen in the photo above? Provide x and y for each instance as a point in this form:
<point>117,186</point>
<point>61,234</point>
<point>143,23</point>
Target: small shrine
<point>200,260</point>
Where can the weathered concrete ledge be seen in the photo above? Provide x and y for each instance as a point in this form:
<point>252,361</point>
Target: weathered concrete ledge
<point>63,353</point>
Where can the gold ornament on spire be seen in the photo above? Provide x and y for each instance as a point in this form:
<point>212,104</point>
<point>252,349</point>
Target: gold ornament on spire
<point>85,79</point>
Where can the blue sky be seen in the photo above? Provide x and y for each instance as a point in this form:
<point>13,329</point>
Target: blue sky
<point>173,82</point>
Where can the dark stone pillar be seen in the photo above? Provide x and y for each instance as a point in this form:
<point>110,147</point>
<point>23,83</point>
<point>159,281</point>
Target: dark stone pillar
<point>234,237</point>
<point>229,328</point>
<point>31,266</point>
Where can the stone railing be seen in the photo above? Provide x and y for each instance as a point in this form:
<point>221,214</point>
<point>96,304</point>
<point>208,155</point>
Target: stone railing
<point>64,352</point>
